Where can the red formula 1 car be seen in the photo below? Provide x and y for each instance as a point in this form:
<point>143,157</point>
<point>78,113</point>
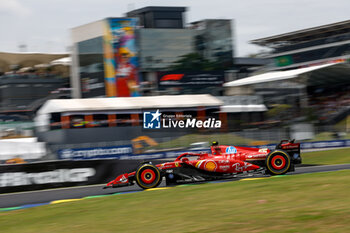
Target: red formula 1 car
<point>223,162</point>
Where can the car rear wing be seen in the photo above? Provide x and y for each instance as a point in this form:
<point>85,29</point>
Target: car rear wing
<point>292,148</point>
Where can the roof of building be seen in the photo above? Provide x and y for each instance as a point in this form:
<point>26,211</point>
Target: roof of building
<point>129,103</point>
<point>243,108</point>
<point>156,8</point>
<point>277,75</point>
<point>27,59</point>
<point>304,33</point>
<point>65,61</point>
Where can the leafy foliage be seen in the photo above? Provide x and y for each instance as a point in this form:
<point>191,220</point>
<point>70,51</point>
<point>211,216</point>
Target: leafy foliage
<point>196,62</point>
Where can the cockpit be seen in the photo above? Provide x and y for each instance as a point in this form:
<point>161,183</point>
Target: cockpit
<point>215,148</point>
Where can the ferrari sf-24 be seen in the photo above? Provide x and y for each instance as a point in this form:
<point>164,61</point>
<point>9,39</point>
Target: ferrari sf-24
<point>222,163</point>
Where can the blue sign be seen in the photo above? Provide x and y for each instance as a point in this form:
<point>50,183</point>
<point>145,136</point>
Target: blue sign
<point>118,152</point>
<point>162,154</point>
<point>231,150</point>
<point>95,152</point>
<point>151,120</point>
<point>325,144</point>
<point>314,145</point>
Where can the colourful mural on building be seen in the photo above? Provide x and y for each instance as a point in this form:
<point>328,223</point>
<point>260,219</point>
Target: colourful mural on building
<point>120,57</point>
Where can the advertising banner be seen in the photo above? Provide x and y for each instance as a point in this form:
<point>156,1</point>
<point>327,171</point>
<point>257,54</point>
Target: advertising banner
<point>117,152</point>
<point>284,61</point>
<point>325,144</point>
<point>95,152</point>
<point>120,57</point>
<point>56,174</point>
<point>44,175</point>
<point>315,145</point>
<point>190,79</point>
<point>161,155</point>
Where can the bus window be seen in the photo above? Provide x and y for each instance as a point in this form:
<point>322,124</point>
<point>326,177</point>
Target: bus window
<point>77,121</point>
<point>192,113</point>
<point>55,121</point>
<point>100,120</point>
<point>124,120</point>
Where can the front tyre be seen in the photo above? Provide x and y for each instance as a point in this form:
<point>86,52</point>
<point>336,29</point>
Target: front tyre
<point>148,176</point>
<point>278,162</point>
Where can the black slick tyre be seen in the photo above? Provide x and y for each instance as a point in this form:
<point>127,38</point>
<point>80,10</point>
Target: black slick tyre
<point>278,162</point>
<point>148,176</point>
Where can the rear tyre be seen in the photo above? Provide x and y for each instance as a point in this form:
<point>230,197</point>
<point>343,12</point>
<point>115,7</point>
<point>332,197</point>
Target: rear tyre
<point>278,162</point>
<point>148,176</point>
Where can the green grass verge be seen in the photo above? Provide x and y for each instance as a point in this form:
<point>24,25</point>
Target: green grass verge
<point>316,202</point>
<point>335,156</point>
<point>326,136</point>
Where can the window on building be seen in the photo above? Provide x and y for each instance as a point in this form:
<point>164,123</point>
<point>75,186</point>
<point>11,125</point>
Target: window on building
<point>168,23</point>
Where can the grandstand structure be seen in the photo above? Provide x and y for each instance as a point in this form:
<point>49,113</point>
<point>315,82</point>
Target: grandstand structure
<point>309,46</point>
<point>308,69</point>
<point>26,59</point>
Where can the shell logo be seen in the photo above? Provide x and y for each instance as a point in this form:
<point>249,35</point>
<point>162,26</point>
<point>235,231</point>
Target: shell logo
<point>210,166</point>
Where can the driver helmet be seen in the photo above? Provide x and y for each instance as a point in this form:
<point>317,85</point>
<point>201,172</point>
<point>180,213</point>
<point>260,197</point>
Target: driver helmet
<point>216,150</point>
<point>215,143</point>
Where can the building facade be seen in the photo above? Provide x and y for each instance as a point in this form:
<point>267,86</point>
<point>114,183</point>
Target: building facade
<point>120,57</point>
<point>20,97</point>
<point>214,40</point>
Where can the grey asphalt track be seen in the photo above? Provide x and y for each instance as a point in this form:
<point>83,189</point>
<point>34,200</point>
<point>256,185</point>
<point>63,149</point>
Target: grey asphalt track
<point>44,196</point>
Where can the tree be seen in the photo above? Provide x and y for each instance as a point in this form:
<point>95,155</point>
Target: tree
<point>195,62</point>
